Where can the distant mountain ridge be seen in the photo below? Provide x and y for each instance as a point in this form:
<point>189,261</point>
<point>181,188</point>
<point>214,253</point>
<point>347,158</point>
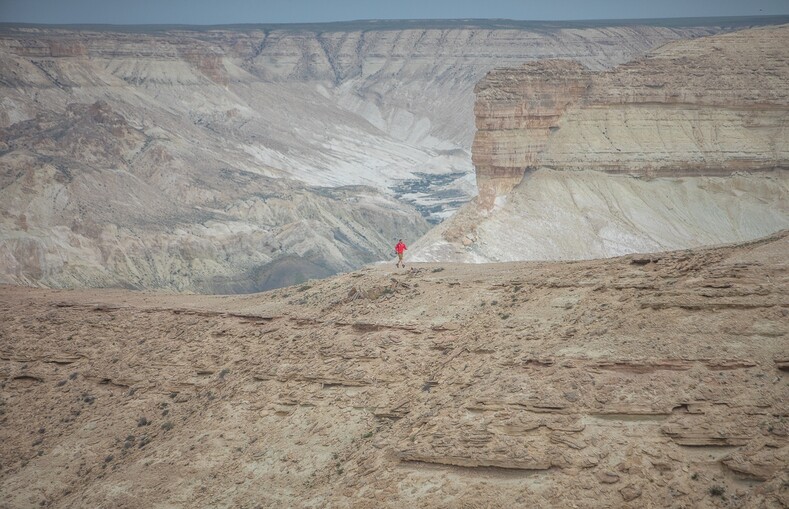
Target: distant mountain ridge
<point>403,24</point>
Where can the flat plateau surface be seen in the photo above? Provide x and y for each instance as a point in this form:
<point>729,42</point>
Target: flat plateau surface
<point>646,381</point>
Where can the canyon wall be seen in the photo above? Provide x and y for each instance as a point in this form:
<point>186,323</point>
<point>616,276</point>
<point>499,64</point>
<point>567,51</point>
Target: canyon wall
<point>687,146</point>
<point>712,106</point>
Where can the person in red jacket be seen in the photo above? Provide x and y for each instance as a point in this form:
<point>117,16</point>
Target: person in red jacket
<point>400,249</point>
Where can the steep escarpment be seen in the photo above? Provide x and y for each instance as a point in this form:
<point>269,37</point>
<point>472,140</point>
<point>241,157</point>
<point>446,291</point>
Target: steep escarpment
<point>687,146</point>
<point>713,106</point>
<point>240,158</point>
<point>658,381</point>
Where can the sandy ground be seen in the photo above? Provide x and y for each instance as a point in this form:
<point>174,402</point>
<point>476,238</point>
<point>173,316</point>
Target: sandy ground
<point>642,381</point>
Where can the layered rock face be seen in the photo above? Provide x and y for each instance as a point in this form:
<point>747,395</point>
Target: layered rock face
<point>712,106</point>
<point>685,147</point>
<point>516,112</point>
<point>231,159</point>
<point>656,381</point>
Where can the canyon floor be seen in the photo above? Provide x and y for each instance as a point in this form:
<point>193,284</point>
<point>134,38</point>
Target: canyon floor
<point>646,381</point>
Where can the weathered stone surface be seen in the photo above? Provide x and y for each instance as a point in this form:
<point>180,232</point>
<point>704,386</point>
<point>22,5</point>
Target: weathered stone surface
<point>451,389</point>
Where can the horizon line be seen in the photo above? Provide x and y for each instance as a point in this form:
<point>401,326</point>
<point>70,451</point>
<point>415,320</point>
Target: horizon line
<point>402,20</point>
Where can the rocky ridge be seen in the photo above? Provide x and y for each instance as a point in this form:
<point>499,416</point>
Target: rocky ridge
<point>648,380</point>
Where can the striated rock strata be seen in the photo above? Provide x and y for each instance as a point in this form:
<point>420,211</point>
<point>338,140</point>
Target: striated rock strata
<point>712,106</point>
<point>650,381</point>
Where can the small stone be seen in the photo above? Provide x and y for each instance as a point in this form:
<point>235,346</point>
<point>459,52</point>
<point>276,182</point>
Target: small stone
<point>607,477</point>
<point>630,492</point>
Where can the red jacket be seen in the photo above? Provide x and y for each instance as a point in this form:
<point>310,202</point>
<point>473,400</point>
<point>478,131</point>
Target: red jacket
<point>400,247</point>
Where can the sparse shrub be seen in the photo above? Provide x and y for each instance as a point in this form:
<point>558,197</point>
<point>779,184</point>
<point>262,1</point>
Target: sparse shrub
<point>61,383</point>
<point>695,476</point>
<point>494,302</point>
<point>368,434</point>
<point>437,269</point>
<point>222,373</point>
<point>109,458</point>
<point>142,421</point>
<point>717,491</point>
<point>167,426</point>
<point>504,316</point>
<point>304,288</point>
<point>73,376</point>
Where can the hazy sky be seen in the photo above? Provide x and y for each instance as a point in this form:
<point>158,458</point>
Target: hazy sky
<point>205,12</point>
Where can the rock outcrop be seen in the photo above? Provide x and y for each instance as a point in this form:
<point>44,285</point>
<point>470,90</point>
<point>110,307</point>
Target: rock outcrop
<point>657,381</point>
<point>712,106</point>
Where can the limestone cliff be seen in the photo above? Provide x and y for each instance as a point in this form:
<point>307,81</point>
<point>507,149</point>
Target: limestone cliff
<point>712,106</point>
